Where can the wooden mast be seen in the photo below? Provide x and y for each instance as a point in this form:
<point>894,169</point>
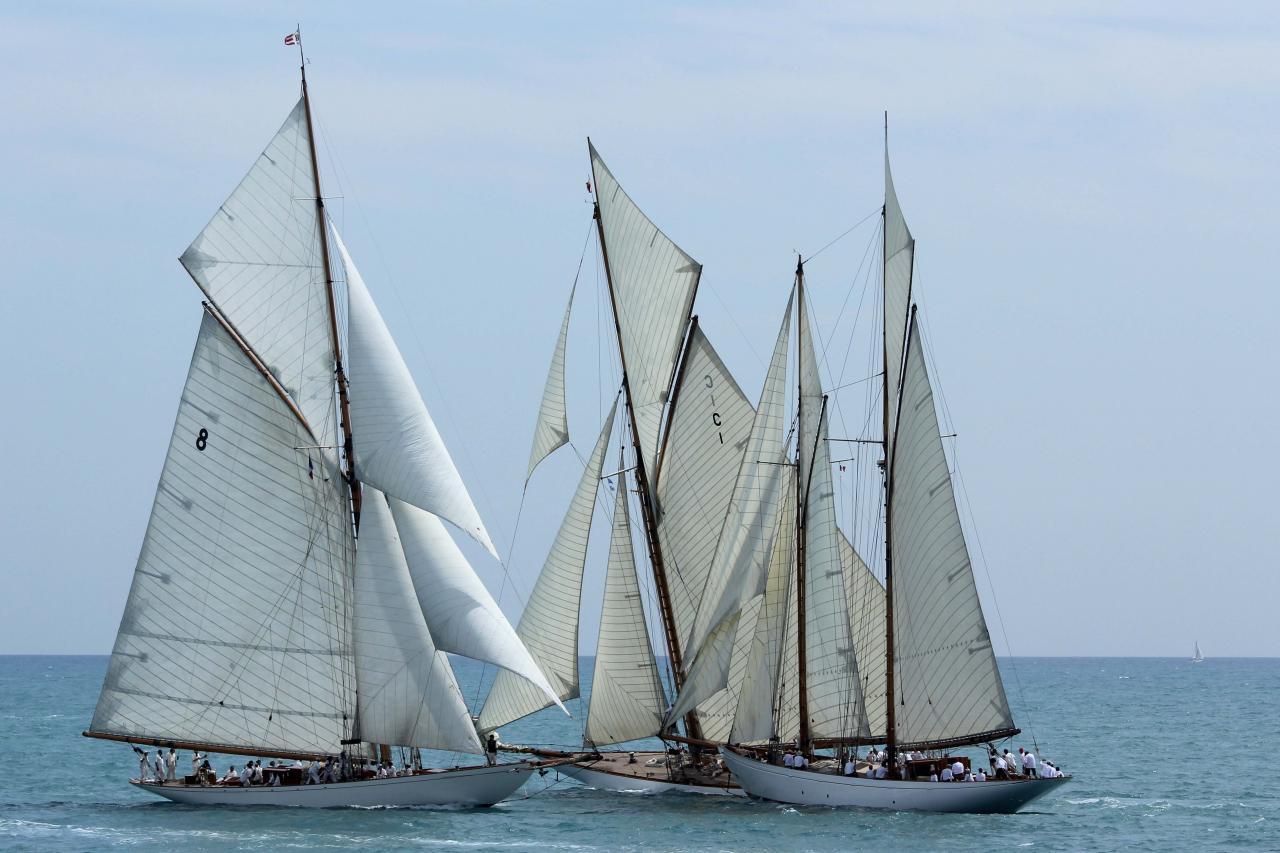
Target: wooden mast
<point>646,502</point>
<point>891,734</point>
<point>802,482</point>
<point>340,376</point>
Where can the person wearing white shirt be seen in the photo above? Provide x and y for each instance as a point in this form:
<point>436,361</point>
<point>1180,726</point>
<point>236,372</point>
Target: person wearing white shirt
<point>933,777</point>
<point>144,764</point>
<point>981,775</point>
<point>1028,762</point>
<point>313,774</point>
<point>1010,763</point>
<point>801,763</point>
<point>159,766</point>
<point>788,760</point>
<point>231,778</point>
<point>947,775</point>
<point>171,766</point>
<point>882,772</point>
<point>850,767</point>
<point>957,769</point>
<point>969,777</point>
<point>1002,769</point>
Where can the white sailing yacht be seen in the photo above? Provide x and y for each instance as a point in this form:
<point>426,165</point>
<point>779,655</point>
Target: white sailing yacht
<point>297,592</point>
<point>687,421</point>
<point>1197,657</point>
<point>927,682</point>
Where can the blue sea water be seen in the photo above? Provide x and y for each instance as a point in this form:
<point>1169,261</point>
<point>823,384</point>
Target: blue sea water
<point>1166,755</point>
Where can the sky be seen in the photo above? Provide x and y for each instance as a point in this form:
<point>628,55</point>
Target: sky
<point>1091,188</point>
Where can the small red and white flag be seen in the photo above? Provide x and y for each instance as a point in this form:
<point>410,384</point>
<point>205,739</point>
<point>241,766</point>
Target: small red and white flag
<point>292,38</point>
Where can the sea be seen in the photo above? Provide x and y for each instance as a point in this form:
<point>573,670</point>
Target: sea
<point>1166,755</point>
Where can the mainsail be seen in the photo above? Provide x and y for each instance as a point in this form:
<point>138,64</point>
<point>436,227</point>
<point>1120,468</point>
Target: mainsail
<point>237,629</point>
<point>653,283</point>
<point>397,446</point>
<point>549,625</point>
<point>552,428</point>
<point>260,261</point>
<point>899,260</point>
<point>626,692</point>
<point>948,685</point>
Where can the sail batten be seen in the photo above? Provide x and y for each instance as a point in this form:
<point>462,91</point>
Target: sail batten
<point>549,625</point>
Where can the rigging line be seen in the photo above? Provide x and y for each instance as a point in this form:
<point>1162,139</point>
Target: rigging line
<point>460,436</point>
<point>844,234</point>
<point>734,320</point>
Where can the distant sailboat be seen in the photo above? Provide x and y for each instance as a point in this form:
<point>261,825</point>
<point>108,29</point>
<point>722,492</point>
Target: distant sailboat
<point>1197,657</point>
<point>297,591</point>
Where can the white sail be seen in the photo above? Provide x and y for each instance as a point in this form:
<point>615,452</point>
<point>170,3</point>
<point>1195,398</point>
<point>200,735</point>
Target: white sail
<point>408,695</point>
<point>397,447</point>
<point>259,261</point>
<point>867,621</point>
<point>237,627</point>
<point>549,625</point>
<point>552,429</point>
<point>834,694</point>
<point>710,422</point>
<point>899,258</point>
<point>946,681</point>
<point>715,714</point>
<point>745,541</point>
<point>461,615</point>
<point>766,695</point>
<point>626,693</point>
<point>653,285</point>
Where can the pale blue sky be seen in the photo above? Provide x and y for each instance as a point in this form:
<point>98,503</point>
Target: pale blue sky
<point>1093,195</point>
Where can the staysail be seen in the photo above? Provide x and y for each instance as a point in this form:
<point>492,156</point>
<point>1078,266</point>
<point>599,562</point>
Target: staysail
<point>259,260</point>
<point>237,629</point>
<point>947,683</point>
<point>653,285</point>
<point>461,615</point>
<point>397,446</point>
<point>626,692</point>
<point>552,429</point>
<point>408,695</point>
<point>549,625</point>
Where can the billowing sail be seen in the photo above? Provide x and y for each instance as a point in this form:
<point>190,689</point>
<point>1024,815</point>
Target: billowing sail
<point>549,625</point>
<point>745,542</point>
<point>702,453</point>
<point>947,684</point>
<point>397,447</point>
<point>834,694</point>
<point>259,261</point>
<point>626,693</point>
<point>766,696</point>
<point>552,429</point>
<point>866,620</point>
<point>461,615</point>
<point>237,628</point>
<point>653,285</point>
<point>407,692</point>
<point>899,258</point>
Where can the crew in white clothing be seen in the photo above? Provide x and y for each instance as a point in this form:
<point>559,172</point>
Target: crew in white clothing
<point>981,775</point>
<point>231,778</point>
<point>849,767</point>
<point>1002,769</point>
<point>143,764</point>
<point>171,766</point>
<point>1028,762</point>
<point>313,774</point>
<point>882,772</point>
<point>947,775</point>
<point>957,769</point>
<point>1010,762</point>
<point>933,777</point>
<point>159,766</point>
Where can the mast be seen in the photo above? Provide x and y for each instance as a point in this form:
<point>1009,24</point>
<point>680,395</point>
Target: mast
<point>802,685</point>
<point>891,735</point>
<point>340,375</point>
<point>646,502</point>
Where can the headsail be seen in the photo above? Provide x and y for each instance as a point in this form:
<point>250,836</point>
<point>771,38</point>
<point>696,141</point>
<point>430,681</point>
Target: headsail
<point>653,286</point>
<point>259,261</point>
<point>947,683</point>
<point>552,429</point>
<point>408,695</point>
<point>237,629</point>
<point>398,448</point>
<point>549,625</point>
<point>461,615</point>
<point>626,692</point>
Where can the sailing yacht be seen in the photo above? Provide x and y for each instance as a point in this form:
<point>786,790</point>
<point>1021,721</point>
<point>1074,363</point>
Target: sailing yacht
<point>686,422</point>
<point>297,592</point>
<point>1197,657</point>
<point>913,669</point>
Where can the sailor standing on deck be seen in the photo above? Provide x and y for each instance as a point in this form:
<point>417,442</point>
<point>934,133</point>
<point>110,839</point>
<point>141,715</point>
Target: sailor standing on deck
<point>1028,762</point>
<point>171,766</point>
<point>159,766</point>
<point>491,750</point>
<point>143,764</point>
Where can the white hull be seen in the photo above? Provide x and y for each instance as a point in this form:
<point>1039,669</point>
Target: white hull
<point>465,786</point>
<point>605,781</point>
<point>806,787</point>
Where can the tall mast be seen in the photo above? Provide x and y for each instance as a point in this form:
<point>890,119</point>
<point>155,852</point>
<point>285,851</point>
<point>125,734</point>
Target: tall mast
<point>692,729</point>
<point>340,376</point>
<point>891,735</point>
<point>802,686</point>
